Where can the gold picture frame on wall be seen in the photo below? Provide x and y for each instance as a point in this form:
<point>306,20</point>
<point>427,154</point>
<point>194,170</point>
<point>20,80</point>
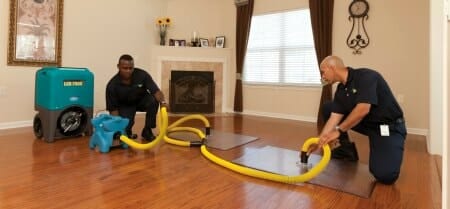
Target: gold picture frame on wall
<point>35,32</point>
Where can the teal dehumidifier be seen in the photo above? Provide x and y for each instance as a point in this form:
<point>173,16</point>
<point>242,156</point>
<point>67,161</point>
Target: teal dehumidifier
<point>64,100</point>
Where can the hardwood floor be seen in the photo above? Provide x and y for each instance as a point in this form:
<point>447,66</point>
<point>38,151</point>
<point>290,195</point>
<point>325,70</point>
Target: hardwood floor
<point>67,174</point>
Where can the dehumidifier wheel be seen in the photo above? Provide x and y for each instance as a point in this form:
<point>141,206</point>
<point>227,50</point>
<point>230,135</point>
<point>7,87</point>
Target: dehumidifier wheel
<point>72,121</point>
<point>37,127</point>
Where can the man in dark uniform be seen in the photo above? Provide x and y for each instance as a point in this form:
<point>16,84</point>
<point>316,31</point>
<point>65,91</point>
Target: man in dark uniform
<point>133,89</point>
<point>364,103</point>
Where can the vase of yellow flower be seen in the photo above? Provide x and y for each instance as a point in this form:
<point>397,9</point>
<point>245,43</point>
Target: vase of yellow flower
<point>163,23</point>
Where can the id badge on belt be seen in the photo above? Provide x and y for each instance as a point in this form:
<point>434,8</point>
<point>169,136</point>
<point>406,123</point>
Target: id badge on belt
<point>384,130</point>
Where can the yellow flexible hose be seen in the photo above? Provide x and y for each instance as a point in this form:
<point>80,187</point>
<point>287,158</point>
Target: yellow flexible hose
<point>181,142</point>
<point>165,129</point>
<point>271,176</point>
<point>311,173</point>
<point>162,133</point>
<point>190,117</point>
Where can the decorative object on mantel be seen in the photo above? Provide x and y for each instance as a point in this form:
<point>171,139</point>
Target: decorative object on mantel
<point>177,43</point>
<point>163,23</point>
<point>194,39</point>
<point>220,41</point>
<point>358,37</point>
<point>204,42</point>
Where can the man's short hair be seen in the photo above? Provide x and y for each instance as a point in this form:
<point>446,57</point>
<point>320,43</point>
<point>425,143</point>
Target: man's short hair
<point>126,57</point>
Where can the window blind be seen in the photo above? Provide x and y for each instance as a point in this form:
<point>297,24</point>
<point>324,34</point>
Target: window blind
<point>281,50</point>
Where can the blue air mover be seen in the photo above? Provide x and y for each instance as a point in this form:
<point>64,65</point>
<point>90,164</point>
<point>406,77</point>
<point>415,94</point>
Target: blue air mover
<point>64,100</point>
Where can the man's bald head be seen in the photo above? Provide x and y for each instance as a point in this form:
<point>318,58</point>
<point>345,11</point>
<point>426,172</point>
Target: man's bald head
<point>332,61</point>
<point>332,69</point>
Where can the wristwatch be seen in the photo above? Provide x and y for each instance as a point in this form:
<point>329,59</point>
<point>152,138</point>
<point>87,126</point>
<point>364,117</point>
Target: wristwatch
<point>337,128</point>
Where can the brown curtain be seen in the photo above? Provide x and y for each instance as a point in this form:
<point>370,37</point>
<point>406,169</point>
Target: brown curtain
<point>243,21</point>
<point>322,24</point>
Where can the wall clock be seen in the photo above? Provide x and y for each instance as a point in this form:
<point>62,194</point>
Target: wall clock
<point>358,38</point>
<point>358,8</point>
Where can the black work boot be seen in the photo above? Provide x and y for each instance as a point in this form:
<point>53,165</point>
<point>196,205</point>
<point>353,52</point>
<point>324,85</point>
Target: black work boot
<point>131,135</point>
<point>147,135</point>
<point>346,151</point>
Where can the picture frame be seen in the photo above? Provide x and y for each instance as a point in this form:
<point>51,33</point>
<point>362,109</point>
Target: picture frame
<point>35,32</point>
<point>204,42</point>
<point>220,41</point>
<point>182,42</point>
<point>177,43</point>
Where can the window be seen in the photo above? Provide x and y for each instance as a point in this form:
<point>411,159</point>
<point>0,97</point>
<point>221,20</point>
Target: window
<point>281,50</point>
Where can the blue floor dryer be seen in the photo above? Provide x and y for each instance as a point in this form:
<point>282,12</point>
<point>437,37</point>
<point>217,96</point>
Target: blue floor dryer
<point>64,100</point>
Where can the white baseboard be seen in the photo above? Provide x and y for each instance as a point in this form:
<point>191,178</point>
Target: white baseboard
<point>282,116</point>
<point>418,131</point>
<point>16,124</point>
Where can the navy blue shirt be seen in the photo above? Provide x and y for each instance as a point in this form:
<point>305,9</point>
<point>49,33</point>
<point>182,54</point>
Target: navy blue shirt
<point>367,86</point>
<point>120,94</point>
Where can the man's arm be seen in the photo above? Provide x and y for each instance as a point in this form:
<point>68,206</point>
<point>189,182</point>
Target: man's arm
<point>159,96</point>
<point>357,114</point>
<point>111,100</point>
<point>330,133</point>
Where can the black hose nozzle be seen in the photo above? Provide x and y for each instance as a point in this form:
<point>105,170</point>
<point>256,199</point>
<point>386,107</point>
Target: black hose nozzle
<point>304,157</point>
<point>196,143</point>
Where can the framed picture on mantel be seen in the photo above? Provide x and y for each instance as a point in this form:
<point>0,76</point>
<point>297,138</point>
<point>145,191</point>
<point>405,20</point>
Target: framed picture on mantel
<point>204,42</point>
<point>220,41</point>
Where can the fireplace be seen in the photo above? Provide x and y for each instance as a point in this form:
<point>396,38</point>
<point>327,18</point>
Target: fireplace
<point>191,92</point>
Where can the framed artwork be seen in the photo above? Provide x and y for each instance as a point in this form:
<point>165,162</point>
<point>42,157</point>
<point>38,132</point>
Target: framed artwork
<point>35,32</point>
<point>171,42</point>
<point>182,42</point>
<point>204,42</point>
<point>220,41</point>
<point>177,43</point>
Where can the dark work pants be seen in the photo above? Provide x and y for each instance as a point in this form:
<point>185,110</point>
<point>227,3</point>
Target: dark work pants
<point>386,152</point>
<point>147,104</point>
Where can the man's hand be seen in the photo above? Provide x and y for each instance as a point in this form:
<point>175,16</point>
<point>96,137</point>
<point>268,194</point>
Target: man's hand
<point>330,138</point>
<point>164,104</point>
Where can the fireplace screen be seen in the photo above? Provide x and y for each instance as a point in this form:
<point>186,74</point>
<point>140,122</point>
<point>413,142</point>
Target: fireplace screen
<point>191,92</point>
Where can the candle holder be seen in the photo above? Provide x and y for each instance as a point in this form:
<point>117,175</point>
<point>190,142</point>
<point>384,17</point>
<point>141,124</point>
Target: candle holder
<point>194,40</point>
<point>195,43</point>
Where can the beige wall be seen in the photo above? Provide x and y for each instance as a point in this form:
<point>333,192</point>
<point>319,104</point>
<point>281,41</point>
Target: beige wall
<point>95,33</point>
<point>209,18</point>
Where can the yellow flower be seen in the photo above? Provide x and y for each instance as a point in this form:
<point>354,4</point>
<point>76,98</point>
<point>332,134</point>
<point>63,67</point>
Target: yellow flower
<point>163,21</point>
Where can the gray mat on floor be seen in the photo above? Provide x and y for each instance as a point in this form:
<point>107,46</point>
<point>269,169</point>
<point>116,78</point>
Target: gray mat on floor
<point>217,139</point>
<point>350,177</point>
